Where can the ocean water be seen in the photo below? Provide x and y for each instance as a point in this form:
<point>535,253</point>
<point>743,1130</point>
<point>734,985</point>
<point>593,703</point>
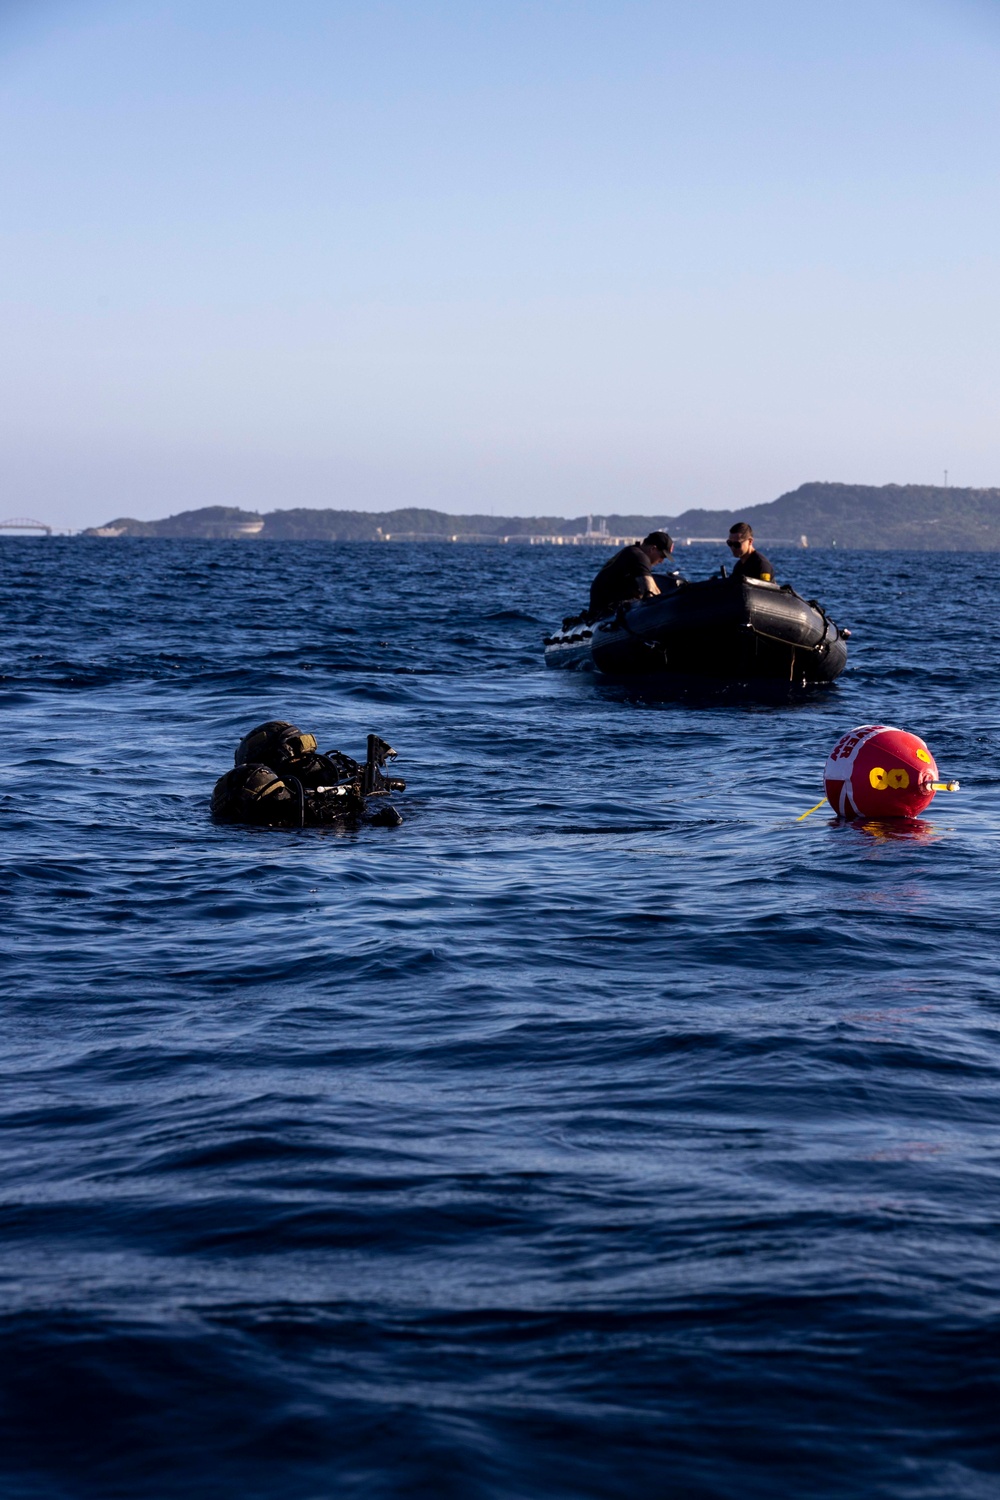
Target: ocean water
<point>602,1131</point>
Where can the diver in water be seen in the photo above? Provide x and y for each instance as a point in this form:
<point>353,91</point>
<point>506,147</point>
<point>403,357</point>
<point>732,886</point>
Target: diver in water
<point>283,747</point>
<point>280,780</point>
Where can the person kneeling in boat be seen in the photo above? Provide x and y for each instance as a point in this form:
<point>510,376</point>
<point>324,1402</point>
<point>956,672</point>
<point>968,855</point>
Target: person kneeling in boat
<point>280,780</point>
<point>628,576</point>
<point>749,562</point>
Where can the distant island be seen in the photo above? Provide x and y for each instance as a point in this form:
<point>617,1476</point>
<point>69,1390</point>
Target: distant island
<point>911,516</point>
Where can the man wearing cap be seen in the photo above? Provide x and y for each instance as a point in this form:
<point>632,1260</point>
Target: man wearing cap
<point>629,574</point>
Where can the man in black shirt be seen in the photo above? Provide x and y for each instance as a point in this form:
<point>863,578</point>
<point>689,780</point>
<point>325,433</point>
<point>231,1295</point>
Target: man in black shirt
<point>749,562</point>
<point>628,574</point>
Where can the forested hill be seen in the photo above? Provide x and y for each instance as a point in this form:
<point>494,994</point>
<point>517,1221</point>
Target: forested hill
<point>928,517</point>
<point>924,516</point>
<point>409,524</point>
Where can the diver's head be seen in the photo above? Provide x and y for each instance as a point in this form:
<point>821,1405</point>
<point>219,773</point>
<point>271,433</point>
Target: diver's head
<point>250,794</point>
<point>276,743</point>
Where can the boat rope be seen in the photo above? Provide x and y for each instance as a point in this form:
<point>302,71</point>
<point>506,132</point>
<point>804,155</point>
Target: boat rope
<point>819,804</point>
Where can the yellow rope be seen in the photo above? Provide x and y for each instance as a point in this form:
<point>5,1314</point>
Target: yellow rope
<point>821,803</point>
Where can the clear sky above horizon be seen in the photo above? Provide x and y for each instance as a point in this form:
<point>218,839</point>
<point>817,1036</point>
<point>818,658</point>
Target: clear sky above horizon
<point>535,257</point>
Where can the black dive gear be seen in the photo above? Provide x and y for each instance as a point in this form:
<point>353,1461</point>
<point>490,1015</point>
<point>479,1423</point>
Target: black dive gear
<point>285,748</point>
<point>252,794</point>
<point>281,780</point>
<point>276,743</point>
<point>373,780</point>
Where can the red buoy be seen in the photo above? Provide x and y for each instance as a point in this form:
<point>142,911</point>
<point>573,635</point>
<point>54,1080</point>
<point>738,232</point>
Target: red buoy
<point>880,772</point>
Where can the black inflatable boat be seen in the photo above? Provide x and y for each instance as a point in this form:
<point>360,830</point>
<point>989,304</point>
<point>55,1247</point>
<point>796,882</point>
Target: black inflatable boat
<point>726,630</point>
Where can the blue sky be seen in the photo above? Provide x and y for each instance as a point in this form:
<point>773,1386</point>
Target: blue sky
<point>526,256</point>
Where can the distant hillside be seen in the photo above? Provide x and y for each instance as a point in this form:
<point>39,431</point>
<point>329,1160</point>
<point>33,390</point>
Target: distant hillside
<point>917,516</point>
<point>409,524</point>
<point>214,522</point>
<point>920,516</point>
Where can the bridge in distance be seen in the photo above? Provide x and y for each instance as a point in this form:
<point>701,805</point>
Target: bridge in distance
<point>24,523</point>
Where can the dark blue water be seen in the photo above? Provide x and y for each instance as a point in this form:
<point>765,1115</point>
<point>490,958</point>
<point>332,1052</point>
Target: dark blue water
<point>603,1131</point>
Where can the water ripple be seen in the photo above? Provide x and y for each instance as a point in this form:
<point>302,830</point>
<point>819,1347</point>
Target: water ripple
<point>602,1131</point>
